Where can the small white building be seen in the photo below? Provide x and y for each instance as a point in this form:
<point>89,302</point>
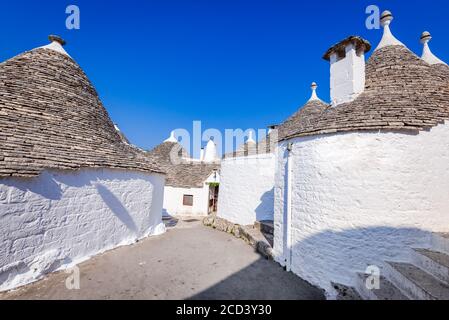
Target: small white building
<point>70,187</point>
<point>247,184</point>
<point>192,185</point>
<point>365,179</point>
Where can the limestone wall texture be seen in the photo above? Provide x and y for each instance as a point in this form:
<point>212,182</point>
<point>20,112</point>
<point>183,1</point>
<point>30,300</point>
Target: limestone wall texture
<point>247,189</point>
<point>61,218</point>
<point>358,199</point>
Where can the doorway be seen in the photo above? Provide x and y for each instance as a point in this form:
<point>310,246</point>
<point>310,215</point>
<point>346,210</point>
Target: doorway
<point>213,199</point>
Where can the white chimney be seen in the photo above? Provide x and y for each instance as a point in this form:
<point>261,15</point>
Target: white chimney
<point>347,70</point>
<point>272,127</point>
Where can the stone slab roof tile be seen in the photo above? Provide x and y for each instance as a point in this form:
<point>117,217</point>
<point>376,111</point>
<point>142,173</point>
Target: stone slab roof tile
<point>181,172</point>
<point>402,93</point>
<point>52,118</point>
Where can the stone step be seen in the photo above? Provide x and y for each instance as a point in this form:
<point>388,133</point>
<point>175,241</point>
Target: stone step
<point>257,240</point>
<point>435,263</point>
<point>345,293</point>
<point>440,242</point>
<point>269,238</point>
<point>386,291</point>
<point>415,282</point>
<point>265,226</point>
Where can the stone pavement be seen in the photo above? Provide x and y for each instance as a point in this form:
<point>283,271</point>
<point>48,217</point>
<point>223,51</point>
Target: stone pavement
<point>190,261</point>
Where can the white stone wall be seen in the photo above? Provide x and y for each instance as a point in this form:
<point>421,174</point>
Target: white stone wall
<point>61,218</point>
<point>359,199</point>
<point>173,201</point>
<point>247,189</point>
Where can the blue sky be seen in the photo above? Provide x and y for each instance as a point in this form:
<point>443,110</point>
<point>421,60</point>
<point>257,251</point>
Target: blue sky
<point>159,65</point>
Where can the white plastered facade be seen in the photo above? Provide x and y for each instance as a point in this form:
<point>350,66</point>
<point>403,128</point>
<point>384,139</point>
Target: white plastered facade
<point>346,201</point>
<point>247,189</point>
<point>174,204</point>
<point>59,219</point>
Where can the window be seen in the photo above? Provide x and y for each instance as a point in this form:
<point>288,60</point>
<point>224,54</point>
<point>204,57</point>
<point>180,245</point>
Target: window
<point>188,200</point>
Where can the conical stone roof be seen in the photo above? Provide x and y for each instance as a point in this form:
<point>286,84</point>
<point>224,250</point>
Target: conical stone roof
<point>303,118</point>
<point>402,93</point>
<point>181,171</point>
<point>168,153</point>
<point>52,118</point>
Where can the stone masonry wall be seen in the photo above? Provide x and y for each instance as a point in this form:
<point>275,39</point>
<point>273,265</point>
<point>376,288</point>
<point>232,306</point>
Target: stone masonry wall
<point>359,199</point>
<point>62,218</point>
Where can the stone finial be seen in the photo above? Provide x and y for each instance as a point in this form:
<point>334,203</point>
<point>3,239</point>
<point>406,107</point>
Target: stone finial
<point>427,54</point>
<point>56,44</point>
<point>388,39</point>
<point>314,96</point>
<point>386,18</point>
<point>172,138</point>
<point>58,39</point>
<point>425,37</point>
<point>251,138</point>
<point>210,153</point>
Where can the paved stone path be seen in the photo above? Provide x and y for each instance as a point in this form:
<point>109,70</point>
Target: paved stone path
<point>190,261</point>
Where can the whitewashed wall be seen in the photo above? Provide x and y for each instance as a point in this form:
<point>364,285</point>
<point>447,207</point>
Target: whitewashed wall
<point>61,218</point>
<point>247,189</point>
<point>359,199</point>
<point>173,201</point>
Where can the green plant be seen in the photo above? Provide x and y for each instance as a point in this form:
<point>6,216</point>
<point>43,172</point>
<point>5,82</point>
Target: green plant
<point>214,184</point>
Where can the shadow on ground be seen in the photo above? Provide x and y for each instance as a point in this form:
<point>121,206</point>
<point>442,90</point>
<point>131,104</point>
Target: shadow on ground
<point>262,280</point>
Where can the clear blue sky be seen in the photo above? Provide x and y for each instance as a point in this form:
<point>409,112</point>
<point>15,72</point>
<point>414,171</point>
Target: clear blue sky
<point>159,65</point>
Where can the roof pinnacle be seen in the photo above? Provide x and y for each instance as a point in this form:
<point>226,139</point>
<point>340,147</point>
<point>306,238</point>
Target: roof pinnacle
<point>427,54</point>
<point>388,39</point>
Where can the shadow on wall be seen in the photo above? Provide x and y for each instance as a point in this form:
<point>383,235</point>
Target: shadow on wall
<point>49,186</point>
<point>264,210</point>
<point>262,280</point>
<point>336,256</point>
<point>50,190</point>
<point>117,207</point>
<point>49,183</point>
